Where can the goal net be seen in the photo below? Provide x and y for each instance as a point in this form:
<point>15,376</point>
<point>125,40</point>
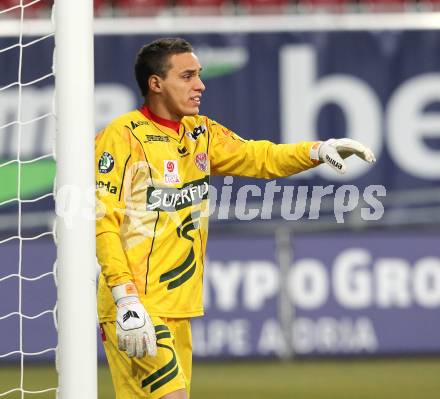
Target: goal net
<point>44,270</point>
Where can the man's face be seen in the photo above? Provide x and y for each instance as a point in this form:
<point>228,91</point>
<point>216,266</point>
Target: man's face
<point>182,88</point>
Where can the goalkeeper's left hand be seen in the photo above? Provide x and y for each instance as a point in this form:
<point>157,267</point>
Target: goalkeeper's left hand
<point>334,151</point>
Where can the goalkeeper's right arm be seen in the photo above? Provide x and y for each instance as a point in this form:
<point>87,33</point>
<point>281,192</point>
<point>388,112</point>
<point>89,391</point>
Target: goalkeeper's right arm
<point>134,328</point>
<point>112,145</point>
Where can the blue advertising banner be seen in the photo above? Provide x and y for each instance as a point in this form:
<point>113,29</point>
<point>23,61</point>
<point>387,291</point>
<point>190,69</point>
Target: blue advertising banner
<point>365,294</point>
<point>361,294</point>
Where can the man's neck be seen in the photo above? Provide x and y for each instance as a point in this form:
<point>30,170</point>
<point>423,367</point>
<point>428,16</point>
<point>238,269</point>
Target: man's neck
<point>156,117</point>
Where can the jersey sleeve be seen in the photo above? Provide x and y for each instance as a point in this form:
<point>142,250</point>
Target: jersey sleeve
<point>113,158</point>
<point>229,154</point>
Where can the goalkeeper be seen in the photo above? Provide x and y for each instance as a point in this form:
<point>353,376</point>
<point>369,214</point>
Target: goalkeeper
<point>152,170</point>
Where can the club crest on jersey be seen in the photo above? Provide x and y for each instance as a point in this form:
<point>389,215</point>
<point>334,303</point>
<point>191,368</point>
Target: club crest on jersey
<point>170,172</point>
<point>106,163</point>
<point>202,161</point>
<point>198,130</point>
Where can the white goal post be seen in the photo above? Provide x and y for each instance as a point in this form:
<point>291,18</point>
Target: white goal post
<point>76,265</point>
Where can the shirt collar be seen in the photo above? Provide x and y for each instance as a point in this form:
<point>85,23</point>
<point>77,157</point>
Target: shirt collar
<point>174,125</point>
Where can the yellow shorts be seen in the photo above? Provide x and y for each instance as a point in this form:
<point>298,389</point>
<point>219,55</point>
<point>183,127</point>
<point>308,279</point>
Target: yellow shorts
<point>152,377</point>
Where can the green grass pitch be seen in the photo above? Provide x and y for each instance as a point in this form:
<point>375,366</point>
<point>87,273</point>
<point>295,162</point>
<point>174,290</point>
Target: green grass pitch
<point>329,379</point>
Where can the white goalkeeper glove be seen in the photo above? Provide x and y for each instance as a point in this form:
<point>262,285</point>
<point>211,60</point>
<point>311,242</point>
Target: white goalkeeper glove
<point>334,151</point>
<point>134,328</point>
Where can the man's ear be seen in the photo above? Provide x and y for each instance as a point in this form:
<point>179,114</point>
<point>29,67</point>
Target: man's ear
<point>154,83</point>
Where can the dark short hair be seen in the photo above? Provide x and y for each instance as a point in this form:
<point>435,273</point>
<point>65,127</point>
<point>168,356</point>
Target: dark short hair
<point>153,58</point>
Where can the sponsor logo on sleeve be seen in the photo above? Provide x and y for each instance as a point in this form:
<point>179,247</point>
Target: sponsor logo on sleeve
<point>171,172</point>
<point>202,161</point>
<point>106,163</point>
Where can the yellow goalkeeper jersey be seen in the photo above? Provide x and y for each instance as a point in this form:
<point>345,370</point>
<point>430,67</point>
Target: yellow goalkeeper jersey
<point>152,179</point>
